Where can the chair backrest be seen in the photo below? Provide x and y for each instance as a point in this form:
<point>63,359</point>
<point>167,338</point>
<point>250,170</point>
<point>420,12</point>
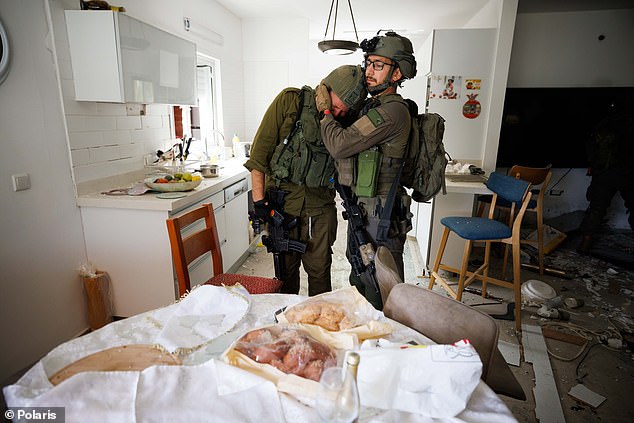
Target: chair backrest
<point>386,272</point>
<point>507,187</point>
<point>445,321</point>
<point>537,176</point>
<point>187,249</point>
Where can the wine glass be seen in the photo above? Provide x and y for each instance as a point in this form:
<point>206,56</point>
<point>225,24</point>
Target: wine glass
<point>337,397</point>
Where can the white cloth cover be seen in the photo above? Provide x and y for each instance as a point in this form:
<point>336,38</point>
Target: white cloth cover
<point>203,389</point>
<point>206,313</point>
<point>432,380</point>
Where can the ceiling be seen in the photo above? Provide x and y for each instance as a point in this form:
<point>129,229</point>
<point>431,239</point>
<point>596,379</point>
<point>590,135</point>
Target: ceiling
<point>414,18</point>
<point>408,17</point>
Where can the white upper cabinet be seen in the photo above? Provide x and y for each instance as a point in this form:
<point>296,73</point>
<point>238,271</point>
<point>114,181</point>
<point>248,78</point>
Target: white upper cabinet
<point>118,59</point>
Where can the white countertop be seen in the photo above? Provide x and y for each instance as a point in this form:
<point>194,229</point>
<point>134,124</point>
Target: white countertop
<point>91,194</point>
<point>467,187</point>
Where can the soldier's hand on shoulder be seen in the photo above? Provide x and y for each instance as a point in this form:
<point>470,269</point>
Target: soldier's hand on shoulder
<point>322,98</point>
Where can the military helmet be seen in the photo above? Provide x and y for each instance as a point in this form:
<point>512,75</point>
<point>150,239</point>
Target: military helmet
<point>348,82</point>
<point>395,47</point>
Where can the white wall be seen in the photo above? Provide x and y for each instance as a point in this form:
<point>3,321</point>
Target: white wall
<point>41,295</point>
<point>278,54</point>
<point>562,50</point>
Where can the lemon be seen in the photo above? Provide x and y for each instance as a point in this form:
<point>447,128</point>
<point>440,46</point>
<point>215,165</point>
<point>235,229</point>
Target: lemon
<point>196,177</point>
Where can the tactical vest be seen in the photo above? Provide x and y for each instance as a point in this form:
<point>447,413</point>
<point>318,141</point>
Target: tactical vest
<point>302,158</point>
<point>390,154</point>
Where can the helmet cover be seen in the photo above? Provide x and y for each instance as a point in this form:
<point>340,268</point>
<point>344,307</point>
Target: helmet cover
<point>348,82</point>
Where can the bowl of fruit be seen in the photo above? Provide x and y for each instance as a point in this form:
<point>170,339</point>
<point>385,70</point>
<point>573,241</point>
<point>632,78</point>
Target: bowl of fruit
<point>174,182</point>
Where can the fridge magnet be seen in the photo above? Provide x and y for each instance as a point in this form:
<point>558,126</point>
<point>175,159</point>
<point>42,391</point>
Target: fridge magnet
<point>472,84</point>
<point>472,108</point>
<point>445,87</point>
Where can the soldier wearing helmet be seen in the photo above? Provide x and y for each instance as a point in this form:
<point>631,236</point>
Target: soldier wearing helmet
<point>288,156</point>
<point>369,153</point>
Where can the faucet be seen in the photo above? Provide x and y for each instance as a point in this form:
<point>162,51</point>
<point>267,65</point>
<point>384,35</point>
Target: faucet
<point>214,132</point>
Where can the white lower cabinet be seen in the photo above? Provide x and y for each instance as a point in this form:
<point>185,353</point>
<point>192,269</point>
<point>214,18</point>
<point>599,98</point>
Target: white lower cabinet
<point>132,245</point>
<point>236,223</point>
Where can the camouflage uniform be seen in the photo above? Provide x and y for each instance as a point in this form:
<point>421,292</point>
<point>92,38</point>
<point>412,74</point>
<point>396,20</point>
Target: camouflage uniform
<point>315,207</point>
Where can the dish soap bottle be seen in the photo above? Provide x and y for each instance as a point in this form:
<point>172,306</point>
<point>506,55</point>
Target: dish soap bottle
<point>236,145</point>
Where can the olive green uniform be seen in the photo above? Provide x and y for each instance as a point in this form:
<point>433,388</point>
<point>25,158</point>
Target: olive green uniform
<point>385,125</point>
<point>315,207</point>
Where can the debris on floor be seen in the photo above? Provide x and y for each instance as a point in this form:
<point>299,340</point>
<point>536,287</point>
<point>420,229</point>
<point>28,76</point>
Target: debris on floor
<point>586,396</point>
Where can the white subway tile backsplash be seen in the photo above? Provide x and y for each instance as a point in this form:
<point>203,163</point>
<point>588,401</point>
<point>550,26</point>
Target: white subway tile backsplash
<point>117,137</point>
<point>105,154</point>
<point>80,157</point>
<point>94,171</point>
<point>111,109</point>
<point>132,150</point>
<point>73,107</point>
<point>129,122</point>
<point>91,123</point>
<point>105,141</point>
<point>79,140</point>
<point>151,122</point>
<point>157,109</point>
<point>150,134</point>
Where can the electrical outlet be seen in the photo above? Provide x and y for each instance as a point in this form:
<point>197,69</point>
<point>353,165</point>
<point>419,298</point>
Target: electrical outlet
<point>21,181</point>
<point>133,109</point>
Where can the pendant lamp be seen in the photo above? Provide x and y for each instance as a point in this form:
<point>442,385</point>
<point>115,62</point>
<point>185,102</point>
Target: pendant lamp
<point>338,47</point>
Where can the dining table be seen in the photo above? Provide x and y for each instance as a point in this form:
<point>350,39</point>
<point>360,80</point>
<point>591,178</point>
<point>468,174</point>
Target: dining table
<point>203,386</point>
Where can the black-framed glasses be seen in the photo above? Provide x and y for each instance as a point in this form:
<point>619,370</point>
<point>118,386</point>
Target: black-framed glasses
<point>376,64</point>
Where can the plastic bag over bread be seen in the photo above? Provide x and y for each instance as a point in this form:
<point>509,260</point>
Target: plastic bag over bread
<point>343,310</point>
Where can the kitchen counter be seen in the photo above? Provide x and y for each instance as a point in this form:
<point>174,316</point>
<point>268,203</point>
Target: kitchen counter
<point>90,194</point>
<point>126,236</point>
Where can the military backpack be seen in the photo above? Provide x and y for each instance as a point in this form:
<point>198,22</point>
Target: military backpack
<point>426,158</point>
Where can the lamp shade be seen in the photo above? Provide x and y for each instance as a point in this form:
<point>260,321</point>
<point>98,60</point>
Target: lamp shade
<point>338,47</point>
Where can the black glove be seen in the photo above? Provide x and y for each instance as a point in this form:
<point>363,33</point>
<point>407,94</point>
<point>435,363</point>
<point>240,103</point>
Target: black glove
<point>262,210</point>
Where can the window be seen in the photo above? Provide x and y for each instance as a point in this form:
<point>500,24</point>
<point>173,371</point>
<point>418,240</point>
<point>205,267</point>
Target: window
<point>202,122</point>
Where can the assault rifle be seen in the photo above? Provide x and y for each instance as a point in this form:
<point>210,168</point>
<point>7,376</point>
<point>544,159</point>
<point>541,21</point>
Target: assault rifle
<point>360,247</point>
<point>278,241</point>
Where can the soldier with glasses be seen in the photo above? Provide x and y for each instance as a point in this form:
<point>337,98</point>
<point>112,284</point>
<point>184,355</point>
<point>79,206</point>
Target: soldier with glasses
<point>369,153</point>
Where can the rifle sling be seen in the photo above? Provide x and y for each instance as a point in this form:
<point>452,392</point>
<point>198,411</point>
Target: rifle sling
<point>386,213</point>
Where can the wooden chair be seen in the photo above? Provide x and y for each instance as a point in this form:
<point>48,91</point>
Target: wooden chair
<point>487,230</point>
<point>189,248</point>
<point>445,321</point>
<point>539,178</point>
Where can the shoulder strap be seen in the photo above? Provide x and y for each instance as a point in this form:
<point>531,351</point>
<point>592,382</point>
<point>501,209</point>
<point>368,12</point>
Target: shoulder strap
<point>384,222</point>
<point>298,116</point>
<point>386,213</point>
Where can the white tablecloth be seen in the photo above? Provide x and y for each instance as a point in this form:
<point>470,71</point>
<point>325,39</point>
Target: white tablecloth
<point>204,389</point>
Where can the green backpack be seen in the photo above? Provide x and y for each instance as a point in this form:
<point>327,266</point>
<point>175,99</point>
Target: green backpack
<point>426,158</point>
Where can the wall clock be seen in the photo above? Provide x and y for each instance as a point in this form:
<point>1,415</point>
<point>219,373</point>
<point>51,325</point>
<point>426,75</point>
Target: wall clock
<point>5,53</point>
